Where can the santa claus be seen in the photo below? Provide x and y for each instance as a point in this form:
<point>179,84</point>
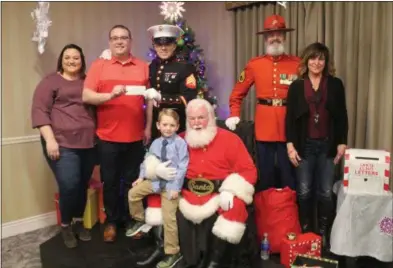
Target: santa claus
<point>219,184</point>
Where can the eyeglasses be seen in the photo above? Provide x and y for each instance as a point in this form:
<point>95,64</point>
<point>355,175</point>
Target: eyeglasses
<point>117,38</point>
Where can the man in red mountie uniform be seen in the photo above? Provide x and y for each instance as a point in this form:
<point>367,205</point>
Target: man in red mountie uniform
<point>272,74</point>
<point>218,186</point>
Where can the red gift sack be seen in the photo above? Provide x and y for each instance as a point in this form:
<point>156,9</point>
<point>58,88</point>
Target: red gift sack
<point>276,213</point>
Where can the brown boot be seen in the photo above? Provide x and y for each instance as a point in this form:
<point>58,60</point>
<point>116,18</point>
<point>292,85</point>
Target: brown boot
<point>110,233</point>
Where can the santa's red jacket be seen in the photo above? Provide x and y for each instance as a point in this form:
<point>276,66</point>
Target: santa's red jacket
<point>225,162</point>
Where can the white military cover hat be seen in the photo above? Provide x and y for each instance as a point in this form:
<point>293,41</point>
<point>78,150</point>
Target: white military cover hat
<point>165,33</point>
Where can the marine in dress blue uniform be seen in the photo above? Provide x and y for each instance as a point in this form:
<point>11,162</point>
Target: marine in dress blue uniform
<point>173,78</point>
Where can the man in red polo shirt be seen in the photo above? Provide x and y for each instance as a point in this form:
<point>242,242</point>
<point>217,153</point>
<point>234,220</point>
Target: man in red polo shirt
<point>117,86</point>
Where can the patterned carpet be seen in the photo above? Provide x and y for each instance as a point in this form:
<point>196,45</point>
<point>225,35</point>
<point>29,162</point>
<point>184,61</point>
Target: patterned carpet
<point>23,251</point>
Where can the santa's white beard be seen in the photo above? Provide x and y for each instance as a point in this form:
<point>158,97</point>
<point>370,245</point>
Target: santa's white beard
<point>275,49</point>
<point>199,138</point>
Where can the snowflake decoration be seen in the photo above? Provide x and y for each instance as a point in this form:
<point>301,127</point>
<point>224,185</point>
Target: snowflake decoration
<point>283,4</point>
<point>172,10</point>
<point>41,18</point>
<point>386,226</point>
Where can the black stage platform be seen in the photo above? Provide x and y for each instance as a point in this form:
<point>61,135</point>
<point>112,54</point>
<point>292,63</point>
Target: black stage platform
<point>126,251</point>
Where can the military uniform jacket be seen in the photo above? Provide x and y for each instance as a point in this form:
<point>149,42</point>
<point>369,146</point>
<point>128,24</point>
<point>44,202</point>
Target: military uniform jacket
<point>177,84</point>
<point>173,78</point>
<point>272,77</point>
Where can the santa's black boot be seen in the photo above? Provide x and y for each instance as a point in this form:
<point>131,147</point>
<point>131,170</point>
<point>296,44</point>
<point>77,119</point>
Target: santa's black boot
<point>204,261</point>
<point>219,253</point>
<point>158,253</point>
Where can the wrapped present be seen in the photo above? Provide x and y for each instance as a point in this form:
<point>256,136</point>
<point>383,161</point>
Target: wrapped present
<point>91,209</point>
<point>95,176</point>
<point>306,244</point>
<point>366,171</point>
<point>90,216</point>
<point>98,186</point>
<point>58,216</point>
<point>311,261</point>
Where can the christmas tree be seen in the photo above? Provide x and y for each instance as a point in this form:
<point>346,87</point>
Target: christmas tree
<point>187,50</point>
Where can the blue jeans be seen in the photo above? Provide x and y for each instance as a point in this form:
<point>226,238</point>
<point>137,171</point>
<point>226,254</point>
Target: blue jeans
<point>317,169</point>
<point>72,172</point>
<point>266,164</point>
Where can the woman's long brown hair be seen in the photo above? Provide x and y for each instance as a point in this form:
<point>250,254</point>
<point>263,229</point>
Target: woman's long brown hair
<point>313,51</point>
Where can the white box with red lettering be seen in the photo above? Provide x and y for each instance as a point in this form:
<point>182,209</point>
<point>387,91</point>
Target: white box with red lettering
<point>366,171</point>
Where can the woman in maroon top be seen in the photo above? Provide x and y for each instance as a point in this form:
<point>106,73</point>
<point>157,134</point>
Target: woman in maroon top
<point>316,131</point>
<point>67,129</point>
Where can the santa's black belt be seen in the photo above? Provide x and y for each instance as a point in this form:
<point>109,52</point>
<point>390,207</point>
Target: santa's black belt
<point>202,186</point>
<point>273,102</point>
<point>173,99</point>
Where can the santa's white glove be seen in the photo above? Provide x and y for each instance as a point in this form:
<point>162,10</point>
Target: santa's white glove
<point>231,122</point>
<point>152,94</point>
<point>106,54</point>
<point>165,172</point>
<point>226,200</point>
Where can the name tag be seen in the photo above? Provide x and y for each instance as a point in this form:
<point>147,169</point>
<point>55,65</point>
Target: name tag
<point>135,90</point>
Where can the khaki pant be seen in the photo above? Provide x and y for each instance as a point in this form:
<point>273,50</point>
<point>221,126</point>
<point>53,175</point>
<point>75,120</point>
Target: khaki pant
<point>169,208</point>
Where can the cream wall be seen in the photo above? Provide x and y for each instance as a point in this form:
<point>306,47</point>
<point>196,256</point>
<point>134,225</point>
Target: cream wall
<point>27,183</point>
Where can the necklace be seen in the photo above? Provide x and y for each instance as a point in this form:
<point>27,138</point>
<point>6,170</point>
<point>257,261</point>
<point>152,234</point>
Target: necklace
<point>315,84</point>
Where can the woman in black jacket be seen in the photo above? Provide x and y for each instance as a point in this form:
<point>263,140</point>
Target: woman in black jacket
<point>316,131</point>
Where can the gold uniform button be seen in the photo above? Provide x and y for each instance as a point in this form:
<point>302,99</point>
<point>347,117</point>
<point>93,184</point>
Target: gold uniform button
<point>274,75</point>
<point>274,82</point>
<point>158,85</point>
<point>162,67</point>
<point>158,78</point>
<point>200,176</point>
<point>274,88</point>
<point>159,72</point>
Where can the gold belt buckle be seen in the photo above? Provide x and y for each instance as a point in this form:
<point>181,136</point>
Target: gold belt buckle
<point>201,186</point>
<point>276,102</point>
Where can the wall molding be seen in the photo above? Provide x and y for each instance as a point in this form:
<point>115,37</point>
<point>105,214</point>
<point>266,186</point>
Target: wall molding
<point>19,140</point>
<point>28,224</point>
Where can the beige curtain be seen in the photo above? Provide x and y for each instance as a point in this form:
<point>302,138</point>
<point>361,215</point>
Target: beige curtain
<point>359,35</point>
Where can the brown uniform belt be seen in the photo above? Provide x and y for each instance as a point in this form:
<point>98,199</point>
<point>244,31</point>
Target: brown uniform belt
<point>273,102</point>
<point>202,186</point>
